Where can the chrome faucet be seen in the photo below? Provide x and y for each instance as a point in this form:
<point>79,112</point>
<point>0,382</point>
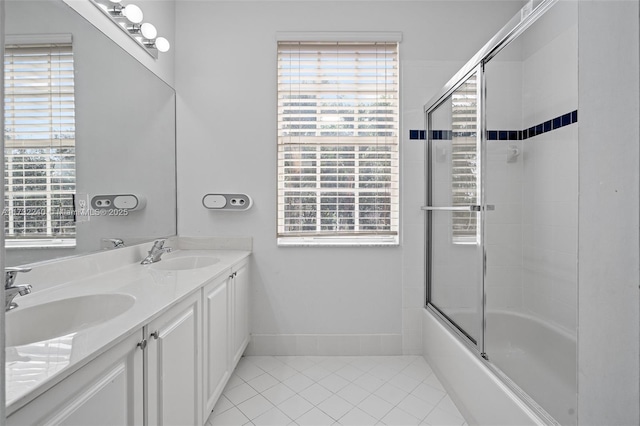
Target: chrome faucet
<point>11,290</point>
<point>154,255</point>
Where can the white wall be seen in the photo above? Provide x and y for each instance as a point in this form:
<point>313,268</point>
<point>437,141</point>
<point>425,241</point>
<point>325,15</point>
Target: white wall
<point>225,79</point>
<point>608,301</point>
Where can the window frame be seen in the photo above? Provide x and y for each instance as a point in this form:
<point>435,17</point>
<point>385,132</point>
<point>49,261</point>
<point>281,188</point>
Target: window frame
<point>341,237</point>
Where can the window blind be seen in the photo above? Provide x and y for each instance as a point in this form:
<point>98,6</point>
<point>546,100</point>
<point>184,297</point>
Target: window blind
<point>39,141</point>
<point>338,141</point>
<point>464,160</point>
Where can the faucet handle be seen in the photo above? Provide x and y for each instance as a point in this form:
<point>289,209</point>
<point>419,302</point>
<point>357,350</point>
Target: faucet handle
<point>10,274</point>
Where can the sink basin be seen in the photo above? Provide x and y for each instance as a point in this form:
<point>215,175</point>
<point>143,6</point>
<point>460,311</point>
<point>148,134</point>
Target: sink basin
<point>62,317</point>
<point>184,263</point>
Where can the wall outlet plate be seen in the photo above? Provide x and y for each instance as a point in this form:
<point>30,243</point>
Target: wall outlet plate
<point>227,202</point>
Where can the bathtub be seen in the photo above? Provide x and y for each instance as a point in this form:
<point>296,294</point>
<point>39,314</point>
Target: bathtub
<point>547,374</point>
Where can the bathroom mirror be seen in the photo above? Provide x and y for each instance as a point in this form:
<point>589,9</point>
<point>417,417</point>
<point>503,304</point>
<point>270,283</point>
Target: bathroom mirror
<point>118,122</point>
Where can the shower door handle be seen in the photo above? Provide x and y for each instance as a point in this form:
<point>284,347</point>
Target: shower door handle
<point>472,208</point>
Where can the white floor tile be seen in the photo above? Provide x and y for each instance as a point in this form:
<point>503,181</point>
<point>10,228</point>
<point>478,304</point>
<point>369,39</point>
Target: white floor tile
<point>315,394</point>
<point>278,394</point>
<point>398,417</point>
<point>263,382</point>
<point>438,417</point>
<point>247,370</point>
<point>253,407</point>
<point>333,382</point>
<point>428,394</point>
<point>222,405</point>
<point>234,381</point>
<point>314,417</point>
<point>335,407</point>
<point>298,382</point>
<point>375,406</point>
<point>295,406</point>
<point>369,383</point>
<point>266,363</point>
<point>349,372</point>
<point>404,382</point>
<point>299,363</point>
<point>239,394</point>
<point>357,417</point>
<point>433,381</point>
<point>273,417</point>
<point>416,406</point>
<point>230,417</point>
<point>391,394</point>
<point>353,393</point>
<point>283,372</point>
<point>316,372</point>
<point>446,404</point>
<point>334,391</point>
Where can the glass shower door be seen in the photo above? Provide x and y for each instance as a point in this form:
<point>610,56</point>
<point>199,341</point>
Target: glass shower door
<point>455,254</point>
<point>531,237</point>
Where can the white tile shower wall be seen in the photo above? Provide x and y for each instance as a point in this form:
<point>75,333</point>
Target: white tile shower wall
<point>550,227</point>
<point>226,142</point>
<point>550,174</point>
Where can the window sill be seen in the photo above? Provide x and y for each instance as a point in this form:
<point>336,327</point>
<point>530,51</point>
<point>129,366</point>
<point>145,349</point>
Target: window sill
<point>382,241</point>
<point>40,243</point>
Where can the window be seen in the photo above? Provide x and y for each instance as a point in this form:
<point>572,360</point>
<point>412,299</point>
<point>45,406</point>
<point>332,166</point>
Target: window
<point>39,142</point>
<point>338,143</point>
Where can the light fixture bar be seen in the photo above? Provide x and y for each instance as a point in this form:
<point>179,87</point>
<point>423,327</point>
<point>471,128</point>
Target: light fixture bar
<point>129,18</point>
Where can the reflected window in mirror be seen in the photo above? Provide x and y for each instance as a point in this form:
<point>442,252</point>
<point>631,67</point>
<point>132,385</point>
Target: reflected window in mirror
<point>40,169</point>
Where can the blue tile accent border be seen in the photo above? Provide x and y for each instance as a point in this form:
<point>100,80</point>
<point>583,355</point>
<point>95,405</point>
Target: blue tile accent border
<point>508,135</point>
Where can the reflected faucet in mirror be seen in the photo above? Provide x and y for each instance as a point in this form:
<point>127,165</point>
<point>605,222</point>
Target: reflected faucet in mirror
<point>155,254</point>
<point>116,242</point>
<point>11,290</point>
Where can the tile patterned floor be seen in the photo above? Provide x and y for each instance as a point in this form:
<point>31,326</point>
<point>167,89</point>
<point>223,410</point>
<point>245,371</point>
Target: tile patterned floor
<point>327,391</point>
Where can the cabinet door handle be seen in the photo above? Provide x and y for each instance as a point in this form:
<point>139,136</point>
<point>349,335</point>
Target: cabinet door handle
<point>154,335</point>
<point>142,344</point>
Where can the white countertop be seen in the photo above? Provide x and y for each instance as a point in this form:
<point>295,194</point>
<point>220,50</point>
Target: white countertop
<point>32,369</point>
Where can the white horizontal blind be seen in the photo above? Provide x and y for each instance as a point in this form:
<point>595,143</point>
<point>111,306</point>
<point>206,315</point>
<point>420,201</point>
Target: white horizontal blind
<point>338,140</point>
<point>39,141</point>
<point>464,158</point>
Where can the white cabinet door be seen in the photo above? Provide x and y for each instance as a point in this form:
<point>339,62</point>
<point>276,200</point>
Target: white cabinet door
<point>174,365</point>
<point>240,311</point>
<point>216,341</point>
<point>108,391</point>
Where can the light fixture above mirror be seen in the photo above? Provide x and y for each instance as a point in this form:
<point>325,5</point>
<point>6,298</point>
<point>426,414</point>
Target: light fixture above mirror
<point>130,19</point>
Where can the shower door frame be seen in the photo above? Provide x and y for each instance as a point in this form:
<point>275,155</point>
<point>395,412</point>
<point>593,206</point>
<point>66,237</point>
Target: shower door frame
<point>529,14</point>
<point>477,345</point>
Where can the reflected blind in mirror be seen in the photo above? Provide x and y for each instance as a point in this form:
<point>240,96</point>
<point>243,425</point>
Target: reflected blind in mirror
<point>464,160</point>
<point>39,141</point>
<point>338,142</point>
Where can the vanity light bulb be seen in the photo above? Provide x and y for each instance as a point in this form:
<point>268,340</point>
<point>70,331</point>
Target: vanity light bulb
<point>162,44</point>
<point>115,1</point>
<point>133,13</point>
<point>148,31</point>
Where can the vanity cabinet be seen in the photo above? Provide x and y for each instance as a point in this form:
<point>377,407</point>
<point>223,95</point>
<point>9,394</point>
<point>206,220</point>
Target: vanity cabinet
<point>171,372</point>
<point>239,311</point>
<point>216,327</point>
<point>173,365</point>
<point>108,391</point>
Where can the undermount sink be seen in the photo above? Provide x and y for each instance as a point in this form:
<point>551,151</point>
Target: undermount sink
<point>56,319</point>
<point>184,263</point>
